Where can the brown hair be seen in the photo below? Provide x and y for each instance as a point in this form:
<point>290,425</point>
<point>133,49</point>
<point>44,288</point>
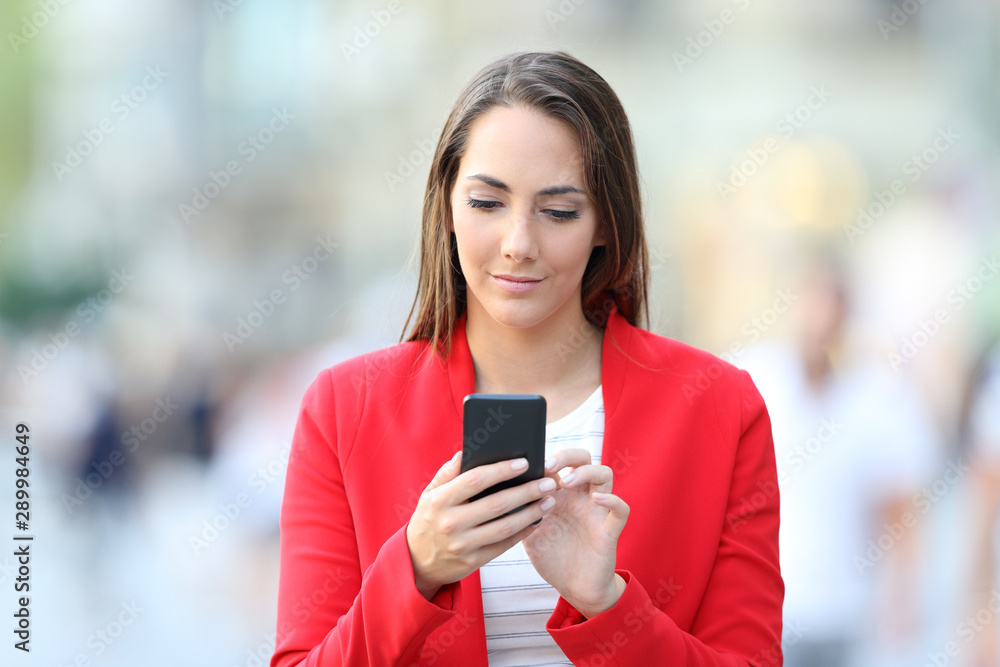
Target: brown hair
<point>557,85</point>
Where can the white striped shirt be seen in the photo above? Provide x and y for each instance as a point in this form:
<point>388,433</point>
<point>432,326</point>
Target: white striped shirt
<point>516,601</point>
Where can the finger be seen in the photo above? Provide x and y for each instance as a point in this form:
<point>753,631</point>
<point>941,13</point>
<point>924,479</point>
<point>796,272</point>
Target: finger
<point>569,457</point>
<point>491,551</point>
<point>618,512</point>
<point>471,482</point>
<point>502,530</point>
<point>447,472</point>
<point>601,478</point>
<point>501,502</point>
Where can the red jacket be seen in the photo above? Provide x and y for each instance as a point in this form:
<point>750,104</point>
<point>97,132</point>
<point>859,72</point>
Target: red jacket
<point>688,438</point>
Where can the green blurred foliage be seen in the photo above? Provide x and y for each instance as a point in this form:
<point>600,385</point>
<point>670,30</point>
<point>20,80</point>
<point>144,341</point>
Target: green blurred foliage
<point>16,64</point>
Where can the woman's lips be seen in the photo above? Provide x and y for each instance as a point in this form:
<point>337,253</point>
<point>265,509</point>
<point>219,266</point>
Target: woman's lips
<point>516,285</point>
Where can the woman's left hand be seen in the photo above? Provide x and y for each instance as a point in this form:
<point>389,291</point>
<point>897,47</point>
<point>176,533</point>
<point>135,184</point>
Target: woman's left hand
<point>574,546</point>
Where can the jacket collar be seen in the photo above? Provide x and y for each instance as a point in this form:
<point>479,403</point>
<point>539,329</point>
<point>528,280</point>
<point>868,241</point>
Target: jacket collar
<point>615,347</point>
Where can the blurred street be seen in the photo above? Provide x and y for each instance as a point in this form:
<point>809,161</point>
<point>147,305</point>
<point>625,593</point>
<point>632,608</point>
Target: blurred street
<point>204,204</point>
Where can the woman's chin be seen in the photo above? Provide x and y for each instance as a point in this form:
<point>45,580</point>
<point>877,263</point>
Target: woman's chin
<point>516,315</point>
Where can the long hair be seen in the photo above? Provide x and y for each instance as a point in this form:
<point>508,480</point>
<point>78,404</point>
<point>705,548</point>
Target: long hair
<point>560,86</point>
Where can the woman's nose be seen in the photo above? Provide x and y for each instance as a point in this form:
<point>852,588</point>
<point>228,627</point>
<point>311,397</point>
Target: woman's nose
<point>519,242</point>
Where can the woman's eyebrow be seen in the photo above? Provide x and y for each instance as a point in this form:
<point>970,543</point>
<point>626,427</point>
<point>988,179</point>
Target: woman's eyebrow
<point>500,185</point>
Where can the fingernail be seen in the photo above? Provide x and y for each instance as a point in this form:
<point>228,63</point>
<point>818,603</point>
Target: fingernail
<point>568,479</point>
<point>547,484</point>
<point>548,503</point>
<point>600,496</point>
<point>550,464</point>
<point>519,464</point>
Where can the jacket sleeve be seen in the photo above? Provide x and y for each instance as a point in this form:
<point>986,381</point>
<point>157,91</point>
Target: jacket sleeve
<point>329,613</point>
<point>739,620</point>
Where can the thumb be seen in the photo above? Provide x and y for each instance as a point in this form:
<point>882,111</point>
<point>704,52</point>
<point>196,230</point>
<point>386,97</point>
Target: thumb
<point>447,472</point>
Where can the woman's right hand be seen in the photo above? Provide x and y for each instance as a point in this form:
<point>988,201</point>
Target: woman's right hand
<point>449,537</point>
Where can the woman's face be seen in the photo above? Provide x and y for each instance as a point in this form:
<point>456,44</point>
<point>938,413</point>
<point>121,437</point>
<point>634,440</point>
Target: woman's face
<point>520,209</point>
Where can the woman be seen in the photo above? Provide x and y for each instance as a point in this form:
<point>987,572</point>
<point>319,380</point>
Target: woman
<point>533,278</point>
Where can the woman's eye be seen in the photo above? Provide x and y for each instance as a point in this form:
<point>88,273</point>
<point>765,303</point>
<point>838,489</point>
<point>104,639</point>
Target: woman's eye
<point>562,215</point>
<point>489,205</point>
<point>483,203</point>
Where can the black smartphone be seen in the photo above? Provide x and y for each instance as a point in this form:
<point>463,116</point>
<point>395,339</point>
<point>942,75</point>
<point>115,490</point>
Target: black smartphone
<point>497,427</point>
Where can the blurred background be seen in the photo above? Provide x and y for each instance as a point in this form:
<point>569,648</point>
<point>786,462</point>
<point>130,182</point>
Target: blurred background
<point>203,204</point>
